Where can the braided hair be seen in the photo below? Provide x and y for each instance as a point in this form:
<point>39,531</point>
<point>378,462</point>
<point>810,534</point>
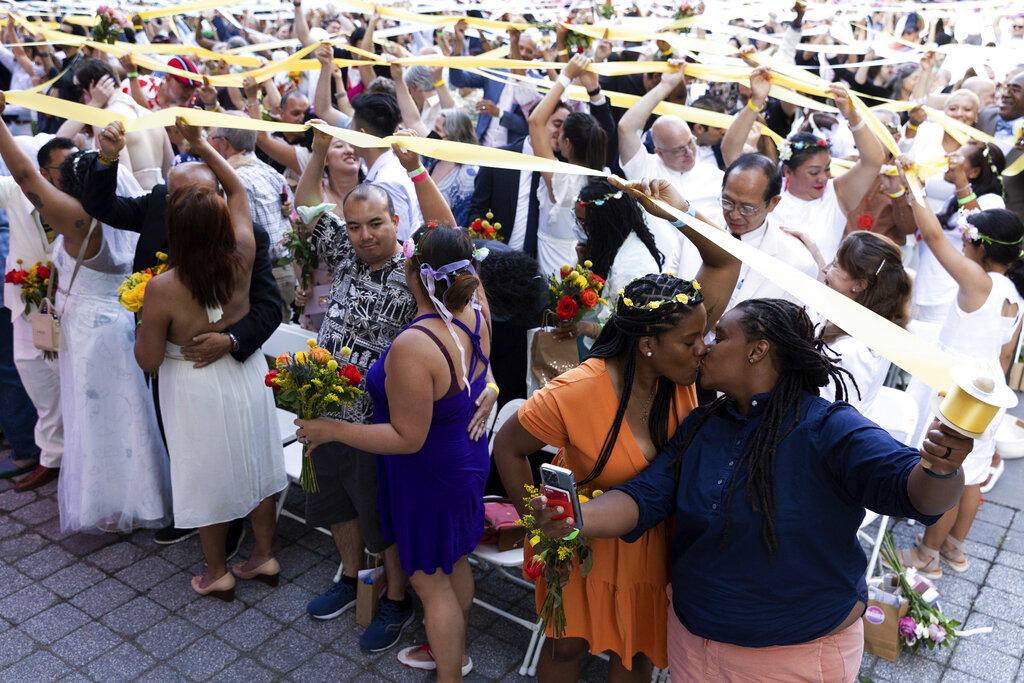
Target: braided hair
<point>803,368</point>
<point>619,338</point>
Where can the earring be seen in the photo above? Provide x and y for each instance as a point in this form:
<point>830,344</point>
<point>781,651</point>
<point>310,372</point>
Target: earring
<point>649,354</point>
<point>854,290</point>
<point>750,360</point>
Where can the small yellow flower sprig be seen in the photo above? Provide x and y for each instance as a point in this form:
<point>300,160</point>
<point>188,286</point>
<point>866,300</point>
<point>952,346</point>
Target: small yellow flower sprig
<point>680,298</point>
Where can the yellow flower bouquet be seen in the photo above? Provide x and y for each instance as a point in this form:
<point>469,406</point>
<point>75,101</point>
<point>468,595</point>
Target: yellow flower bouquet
<point>312,383</point>
<point>133,289</point>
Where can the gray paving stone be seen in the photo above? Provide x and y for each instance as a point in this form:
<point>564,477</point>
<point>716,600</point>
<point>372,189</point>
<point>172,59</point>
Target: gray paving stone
<point>996,603</point>
<point>72,580</point>
<point>76,677</point>
<point>987,533</point>
<point>287,603</point>
<point>124,663</point>
<point>168,637</point>
<point>327,664</point>
<point>209,613</point>
<point>12,500</point>
<point>248,629</point>
<point>1007,579</point>
<point>45,562</point>
<point>995,513</point>
<point>245,670</point>
<point>54,623</point>
<point>146,573</point>
<point>105,596</point>
<point>161,674</point>
<point>116,556</point>
<point>182,554</point>
<point>13,646</point>
<point>174,592</point>
<point>1006,637</point>
<point>286,651</point>
<point>11,581</point>
<point>908,668</point>
<point>984,663</point>
<point>134,617</point>
<point>51,530</point>
<point>295,560</point>
<point>319,577</point>
<point>81,545</point>
<point>87,643</point>
<point>40,666</point>
<point>979,549</point>
<point>36,513</point>
<point>26,603</point>
<point>19,546</point>
<point>324,632</point>
<point>204,658</point>
<point>493,658</point>
<point>8,527</point>
<point>956,589</point>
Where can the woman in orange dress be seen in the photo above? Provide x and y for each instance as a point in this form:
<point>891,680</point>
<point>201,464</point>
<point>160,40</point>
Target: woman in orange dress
<point>610,417</point>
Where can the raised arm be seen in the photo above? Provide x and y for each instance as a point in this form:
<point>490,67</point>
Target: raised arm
<point>301,26</point>
<point>852,186</point>
<point>366,73</point>
<point>631,125</point>
<point>406,105</point>
<point>309,191</point>
<point>322,105</point>
<point>739,129</point>
<point>539,139</point>
<point>432,203</point>
<point>719,270</point>
<point>275,148</point>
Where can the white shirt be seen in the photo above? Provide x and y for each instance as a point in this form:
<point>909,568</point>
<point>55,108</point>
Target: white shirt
<point>517,240</point>
<point>496,134</point>
<point>556,243</point>
<point>867,368</point>
<point>701,185</point>
<point>822,219</point>
<point>770,239</point>
<point>20,80</point>
<point>389,173</point>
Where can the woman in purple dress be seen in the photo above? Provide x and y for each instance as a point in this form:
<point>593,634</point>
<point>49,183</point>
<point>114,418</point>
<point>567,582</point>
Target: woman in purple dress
<point>431,473</point>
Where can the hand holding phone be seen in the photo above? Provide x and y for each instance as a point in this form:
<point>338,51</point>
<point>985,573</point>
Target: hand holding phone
<point>558,485</point>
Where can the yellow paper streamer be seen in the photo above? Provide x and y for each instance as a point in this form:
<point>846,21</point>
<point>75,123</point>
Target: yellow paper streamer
<point>187,7</point>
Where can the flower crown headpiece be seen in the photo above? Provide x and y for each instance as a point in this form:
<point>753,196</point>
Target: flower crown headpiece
<point>971,232</point>
<point>601,200</point>
<point>680,298</point>
<point>786,148</point>
<point>410,248</point>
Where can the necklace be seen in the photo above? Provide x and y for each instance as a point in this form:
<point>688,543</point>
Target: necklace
<point>647,404</point>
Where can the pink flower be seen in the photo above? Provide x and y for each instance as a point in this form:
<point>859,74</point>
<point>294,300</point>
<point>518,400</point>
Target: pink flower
<point>937,633</point>
<point>908,627</point>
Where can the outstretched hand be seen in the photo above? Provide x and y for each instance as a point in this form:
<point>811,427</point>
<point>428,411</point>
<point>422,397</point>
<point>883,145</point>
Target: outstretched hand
<point>410,160</point>
<point>112,140</point>
<point>192,134</point>
<point>649,189</point>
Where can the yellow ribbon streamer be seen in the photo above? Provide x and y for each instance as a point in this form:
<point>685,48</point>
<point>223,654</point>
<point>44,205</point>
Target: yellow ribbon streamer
<point>967,412</point>
<point>187,7</point>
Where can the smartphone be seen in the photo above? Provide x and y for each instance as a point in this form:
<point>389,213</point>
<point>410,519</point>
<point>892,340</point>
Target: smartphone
<point>559,486</point>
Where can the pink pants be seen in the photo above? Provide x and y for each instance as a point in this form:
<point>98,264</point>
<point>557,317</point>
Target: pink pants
<point>830,659</point>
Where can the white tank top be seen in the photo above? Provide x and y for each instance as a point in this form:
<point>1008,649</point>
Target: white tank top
<point>978,337</point>
<point>821,219</point>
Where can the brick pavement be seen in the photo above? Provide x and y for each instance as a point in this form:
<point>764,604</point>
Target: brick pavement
<point>119,608</point>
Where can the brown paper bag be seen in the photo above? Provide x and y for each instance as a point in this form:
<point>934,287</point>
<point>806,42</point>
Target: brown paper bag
<point>549,358</point>
<point>882,629</point>
<point>372,585</point>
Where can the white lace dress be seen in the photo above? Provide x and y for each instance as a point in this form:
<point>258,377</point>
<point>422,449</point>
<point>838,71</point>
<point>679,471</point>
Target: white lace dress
<point>114,473</point>
<point>222,436</point>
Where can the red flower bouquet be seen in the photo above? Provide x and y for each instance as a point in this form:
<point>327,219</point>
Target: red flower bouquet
<point>483,229</point>
<point>574,291</point>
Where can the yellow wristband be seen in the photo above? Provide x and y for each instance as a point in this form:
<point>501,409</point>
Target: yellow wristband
<point>492,385</point>
<point>439,83</point>
<point>750,103</point>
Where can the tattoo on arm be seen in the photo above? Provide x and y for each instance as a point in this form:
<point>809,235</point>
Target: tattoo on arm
<point>36,200</point>
<point>80,224</point>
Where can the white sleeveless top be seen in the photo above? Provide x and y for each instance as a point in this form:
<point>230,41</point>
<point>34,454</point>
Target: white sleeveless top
<point>821,219</point>
<point>979,336</point>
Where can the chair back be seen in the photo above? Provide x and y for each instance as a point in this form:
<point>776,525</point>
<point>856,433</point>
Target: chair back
<point>894,411</point>
<point>499,419</point>
<point>287,338</point>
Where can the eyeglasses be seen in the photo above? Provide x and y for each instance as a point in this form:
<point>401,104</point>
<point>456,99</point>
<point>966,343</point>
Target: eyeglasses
<point>690,147</point>
<point>744,209</point>
<point>1018,28</point>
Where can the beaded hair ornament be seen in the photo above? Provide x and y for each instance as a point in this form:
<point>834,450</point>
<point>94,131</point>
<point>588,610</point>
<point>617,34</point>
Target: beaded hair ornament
<point>601,200</point>
<point>787,148</point>
<point>680,298</point>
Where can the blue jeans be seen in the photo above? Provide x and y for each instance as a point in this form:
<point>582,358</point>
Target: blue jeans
<point>17,414</point>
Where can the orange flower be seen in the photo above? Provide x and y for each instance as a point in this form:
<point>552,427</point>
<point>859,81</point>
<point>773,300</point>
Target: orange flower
<point>589,298</point>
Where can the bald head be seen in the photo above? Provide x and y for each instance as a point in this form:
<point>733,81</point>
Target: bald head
<point>674,143</point>
<point>984,88</point>
<point>192,173</point>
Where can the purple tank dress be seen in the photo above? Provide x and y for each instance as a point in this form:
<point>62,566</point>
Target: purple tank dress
<point>431,502</point>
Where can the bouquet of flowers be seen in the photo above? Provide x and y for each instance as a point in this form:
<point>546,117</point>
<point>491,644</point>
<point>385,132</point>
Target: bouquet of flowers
<point>575,42</point>
<point>34,282</point>
<point>312,383</point>
<point>606,10</point>
<point>924,623</point>
<point>552,557</point>
<point>687,10</point>
<point>574,291</point>
<point>110,22</point>
<point>483,229</point>
<point>297,242</point>
<point>131,292</point>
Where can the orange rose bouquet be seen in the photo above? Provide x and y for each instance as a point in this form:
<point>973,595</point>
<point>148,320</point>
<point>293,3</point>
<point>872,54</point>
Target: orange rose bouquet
<point>483,229</point>
<point>311,383</point>
<point>574,291</point>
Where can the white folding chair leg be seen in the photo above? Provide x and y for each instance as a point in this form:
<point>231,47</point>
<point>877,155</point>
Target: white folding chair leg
<point>536,639</point>
<point>280,502</point>
<point>337,574</point>
<point>876,547</point>
<point>532,671</point>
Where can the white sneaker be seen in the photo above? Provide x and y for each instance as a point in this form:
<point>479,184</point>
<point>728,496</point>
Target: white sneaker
<point>426,664</point>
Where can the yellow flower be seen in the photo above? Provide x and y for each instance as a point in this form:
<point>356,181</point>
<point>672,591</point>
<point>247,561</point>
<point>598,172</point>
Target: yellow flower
<point>311,343</point>
<point>161,256</point>
<point>682,298</point>
<point>696,285</point>
<point>332,365</point>
<point>345,351</point>
<point>597,493</point>
<point>564,552</point>
<point>627,301</point>
<point>300,357</point>
<point>588,264</point>
<point>489,215</point>
<point>654,305</point>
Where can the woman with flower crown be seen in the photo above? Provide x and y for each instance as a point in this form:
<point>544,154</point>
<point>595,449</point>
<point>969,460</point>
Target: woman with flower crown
<point>981,328</point>
<point>811,199</point>
<point>610,416</point>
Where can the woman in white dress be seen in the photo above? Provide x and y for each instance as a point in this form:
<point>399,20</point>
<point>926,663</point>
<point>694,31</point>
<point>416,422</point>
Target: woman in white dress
<point>225,451</point>
<point>980,330</point>
<point>582,142</point>
<point>868,268</point>
<point>114,469</point>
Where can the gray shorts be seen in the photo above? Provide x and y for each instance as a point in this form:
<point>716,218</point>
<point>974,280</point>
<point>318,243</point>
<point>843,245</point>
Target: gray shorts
<point>347,482</point>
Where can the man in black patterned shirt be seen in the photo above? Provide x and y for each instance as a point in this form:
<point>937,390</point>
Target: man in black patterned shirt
<point>369,305</point>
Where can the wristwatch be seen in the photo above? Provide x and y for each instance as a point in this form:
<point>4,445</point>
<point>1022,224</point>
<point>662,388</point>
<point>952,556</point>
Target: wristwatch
<point>235,346</point>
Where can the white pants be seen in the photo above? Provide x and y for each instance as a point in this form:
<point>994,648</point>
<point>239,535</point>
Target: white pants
<point>41,380</point>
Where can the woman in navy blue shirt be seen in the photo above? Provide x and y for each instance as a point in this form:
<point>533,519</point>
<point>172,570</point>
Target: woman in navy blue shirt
<point>768,485</point>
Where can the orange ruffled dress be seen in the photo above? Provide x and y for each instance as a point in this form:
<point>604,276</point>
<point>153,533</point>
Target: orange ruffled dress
<point>621,605</point>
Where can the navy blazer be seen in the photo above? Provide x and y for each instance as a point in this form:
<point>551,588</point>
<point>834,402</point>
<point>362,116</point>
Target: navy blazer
<point>147,215</point>
<point>514,120</point>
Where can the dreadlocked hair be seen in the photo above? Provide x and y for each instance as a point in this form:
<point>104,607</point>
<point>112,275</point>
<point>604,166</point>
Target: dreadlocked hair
<point>803,367</point>
<point>610,223</point>
<point>619,338</point>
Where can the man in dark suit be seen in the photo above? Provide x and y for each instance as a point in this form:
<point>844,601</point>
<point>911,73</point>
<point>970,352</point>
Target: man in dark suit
<point>1005,122</point>
<point>505,192</point>
<point>147,215</point>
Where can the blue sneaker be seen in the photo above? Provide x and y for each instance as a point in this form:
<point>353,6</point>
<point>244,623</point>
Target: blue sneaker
<point>336,600</point>
<point>387,627</point>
